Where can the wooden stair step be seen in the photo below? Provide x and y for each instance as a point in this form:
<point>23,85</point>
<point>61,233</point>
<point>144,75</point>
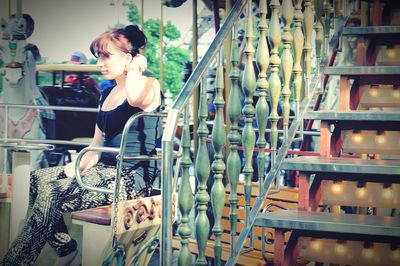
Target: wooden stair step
<point>342,165</point>
<point>100,215</point>
<point>361,70</point>
<point>331,222</point>
<point>371,30</point>
<point>359,115</point>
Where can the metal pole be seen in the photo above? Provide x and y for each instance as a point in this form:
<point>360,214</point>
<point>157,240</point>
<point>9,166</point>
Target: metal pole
<point>227,91</point>
<point>142,15</point>
<point>4,175</point>
<point>19,9</point>
<point>196,93</point>
<point>9,9</point>
<point>167,192</point>
<point>162,47</point>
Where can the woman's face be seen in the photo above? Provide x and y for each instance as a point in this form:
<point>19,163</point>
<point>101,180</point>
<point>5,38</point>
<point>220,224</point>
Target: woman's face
<point>114,65</point>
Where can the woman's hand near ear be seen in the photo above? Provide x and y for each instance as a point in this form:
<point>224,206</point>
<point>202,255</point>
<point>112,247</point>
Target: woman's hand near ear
<point>138,63</point>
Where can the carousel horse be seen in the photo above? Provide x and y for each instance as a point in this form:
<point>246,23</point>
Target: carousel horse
<point>19,86</point>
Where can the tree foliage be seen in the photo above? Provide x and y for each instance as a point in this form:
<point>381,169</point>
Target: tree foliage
<point>133,13</point>
<point>174,58</point>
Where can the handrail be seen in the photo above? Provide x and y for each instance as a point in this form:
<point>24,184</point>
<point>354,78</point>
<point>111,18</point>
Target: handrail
<point>171,123</point>
<point>50,107</point>
<point>68,67</point>
<point>120,151</point>
<point>77,168</point>
<point>8,106</point>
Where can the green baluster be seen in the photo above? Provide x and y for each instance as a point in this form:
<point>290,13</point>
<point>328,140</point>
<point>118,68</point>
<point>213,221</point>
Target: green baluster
<point>262,111</point>
<point>185,196</point>
<point>249,86</point>
<point>274,80</point>
<point>327,25</point>
<point>298,45</point>
<point>287,61</point>
<point>319,33</point>
<point>308,27</point>
<point>218,165</point>
<point>233,161</point>
<point>202,170</point>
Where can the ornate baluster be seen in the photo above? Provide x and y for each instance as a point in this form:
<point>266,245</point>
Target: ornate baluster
<point>274,80</point>
<point>202,170</point>
<point>327,25</point>
<point>218,165</point>
<point>287,61</point>
<point>262,111</point>
<point>336,17</point>
<point>298,44</point>
<point>233,161</point>
<point>249,87</point>
<point>319,34</point>
<point>185,196</point>
<point>308,27</point>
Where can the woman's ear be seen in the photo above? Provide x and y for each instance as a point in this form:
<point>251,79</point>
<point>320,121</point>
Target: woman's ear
<point>128,60</point>
<point>128,57</point>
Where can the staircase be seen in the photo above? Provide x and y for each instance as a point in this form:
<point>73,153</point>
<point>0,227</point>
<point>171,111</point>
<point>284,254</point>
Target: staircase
<point>356,176</point>
<point>349,194</point>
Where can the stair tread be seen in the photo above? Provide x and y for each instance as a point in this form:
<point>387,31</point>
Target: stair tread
<point>364,115</point>
<point>331,222</point>
<point>371,30</point>
<point>361,70</point>
<point>342,165</point>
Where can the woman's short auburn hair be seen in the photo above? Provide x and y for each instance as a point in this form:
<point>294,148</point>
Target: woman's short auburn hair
<point>99,46</point>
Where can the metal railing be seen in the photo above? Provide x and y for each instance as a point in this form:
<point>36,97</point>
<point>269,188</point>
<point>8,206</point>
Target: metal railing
<point>5,139</point>
<point>171,123</point>
<point>273,173</point>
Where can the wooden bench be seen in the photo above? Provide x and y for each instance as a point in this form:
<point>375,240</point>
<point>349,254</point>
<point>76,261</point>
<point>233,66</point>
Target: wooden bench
<point>286,198</point>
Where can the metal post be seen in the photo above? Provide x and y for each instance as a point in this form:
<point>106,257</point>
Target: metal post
<point>19,9</point>
<point>5,175</point>
<point>161,59</point>
<point>142,15</point>
<point>166,231</point>
<point>9,9</point>
<point>196,93</point>
<point>166,191</point>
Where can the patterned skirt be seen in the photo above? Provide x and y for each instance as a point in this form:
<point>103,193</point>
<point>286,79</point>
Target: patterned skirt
<point>52,193</point>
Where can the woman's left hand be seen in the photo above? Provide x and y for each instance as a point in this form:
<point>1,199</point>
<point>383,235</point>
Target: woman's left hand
<point>69,169</point>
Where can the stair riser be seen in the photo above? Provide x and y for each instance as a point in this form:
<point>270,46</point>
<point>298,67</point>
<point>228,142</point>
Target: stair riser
<point>347,252</point>
<point>346,193</point>
<point>371,142</point>
<point>380,96</point>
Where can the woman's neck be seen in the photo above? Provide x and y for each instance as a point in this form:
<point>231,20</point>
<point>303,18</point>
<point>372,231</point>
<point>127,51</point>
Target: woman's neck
<point>120,81</point>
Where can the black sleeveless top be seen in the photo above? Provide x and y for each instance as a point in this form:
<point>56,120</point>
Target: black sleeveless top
<point>142,136</point>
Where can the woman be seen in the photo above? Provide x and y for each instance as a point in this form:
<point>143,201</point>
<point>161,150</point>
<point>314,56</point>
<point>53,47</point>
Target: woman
<point>54,191</point>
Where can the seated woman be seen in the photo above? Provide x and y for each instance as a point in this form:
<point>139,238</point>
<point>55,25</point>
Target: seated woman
<point>54,191</point>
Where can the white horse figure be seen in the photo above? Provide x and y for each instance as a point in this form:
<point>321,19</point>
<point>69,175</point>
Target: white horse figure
<point>19,86</point>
